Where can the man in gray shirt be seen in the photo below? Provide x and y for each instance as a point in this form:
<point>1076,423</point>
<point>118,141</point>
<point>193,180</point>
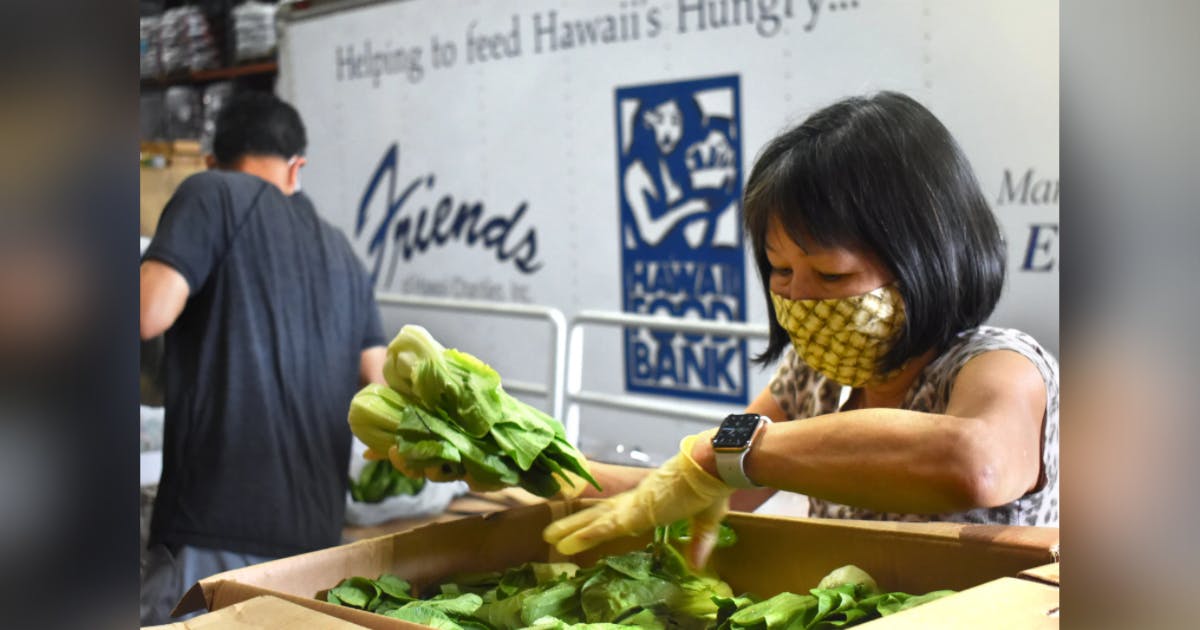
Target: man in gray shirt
<point>270,327</point>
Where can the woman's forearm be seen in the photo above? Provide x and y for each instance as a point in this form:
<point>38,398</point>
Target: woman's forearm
<point>882,459</point>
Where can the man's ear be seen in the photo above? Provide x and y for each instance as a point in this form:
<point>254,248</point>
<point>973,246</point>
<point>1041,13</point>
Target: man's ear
<point>293,173</point>
<point>210,161</point>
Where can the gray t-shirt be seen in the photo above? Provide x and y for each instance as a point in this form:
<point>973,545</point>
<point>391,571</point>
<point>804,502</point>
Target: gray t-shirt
<point>803,393</point>
<point>260,368</point>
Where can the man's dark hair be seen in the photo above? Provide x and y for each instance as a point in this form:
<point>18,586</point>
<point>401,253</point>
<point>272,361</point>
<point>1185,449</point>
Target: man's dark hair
<point>882,174</point>
<point>257,123</point>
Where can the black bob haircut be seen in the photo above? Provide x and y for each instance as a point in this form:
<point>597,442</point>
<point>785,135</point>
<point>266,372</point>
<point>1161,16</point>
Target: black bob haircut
<point>257,123</point>
<point>882,174</point>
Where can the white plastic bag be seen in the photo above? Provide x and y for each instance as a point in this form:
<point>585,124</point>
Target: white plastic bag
<point>254,31</point>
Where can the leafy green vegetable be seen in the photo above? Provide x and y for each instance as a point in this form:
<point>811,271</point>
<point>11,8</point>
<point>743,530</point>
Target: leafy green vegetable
<point>388,591</point>
<point>556,599</point>
<point>653,583</point>
<point>391,596</point>
<point>446,410</point>
<point>845,597</point>
<point>776,612</point>
<point>395,587</point>
<point>426,616</point>
<point>651,588</point>
<point>890,603</point>
<point>550,623</point>
<point>849,574</point>
<point>465,604</point>
<point>533,574</point>
<point>681,532</point>
<point>380,480</point>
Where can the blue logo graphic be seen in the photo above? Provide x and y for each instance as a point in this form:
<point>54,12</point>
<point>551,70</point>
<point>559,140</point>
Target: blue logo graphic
<point>679,164</point>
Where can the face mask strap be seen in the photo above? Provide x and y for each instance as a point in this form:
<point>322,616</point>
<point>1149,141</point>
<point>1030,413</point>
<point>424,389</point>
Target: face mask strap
<point>292,162</point>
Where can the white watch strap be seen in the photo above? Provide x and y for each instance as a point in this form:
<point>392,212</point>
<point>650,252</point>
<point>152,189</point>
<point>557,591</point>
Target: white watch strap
<point>731,470</point>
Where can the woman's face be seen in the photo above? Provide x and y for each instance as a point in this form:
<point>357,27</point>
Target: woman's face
<point>820,273</point>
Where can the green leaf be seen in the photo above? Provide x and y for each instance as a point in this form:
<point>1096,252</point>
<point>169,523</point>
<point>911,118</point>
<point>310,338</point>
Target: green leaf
<point>464,604</point>
<point>635,564</point>
<point>645,618</point>
<point>681,532</point>
<point>352,593</point>
<point>388,605</point>
<point>425,616</point>
<point>567,456</point>
<point>550,623</point>
<point>726,606</point>
<point>478,582</point>
<point>368,587</point>
<point>403,485</point>
<point>471,623</point>
<point>531,574</point>
<point>776,612</point>
<point>428,451</point>
<point>909,601</point>
<point>482,460</point>
<point>522,438</point>
<point>558,600</point>
<point>549,571</point>
<point>380,480</point>
<point>539,481</point>
<point>466,388</point>
<point>611,595</point>
<point>394,586</point>
<point>501,613</point>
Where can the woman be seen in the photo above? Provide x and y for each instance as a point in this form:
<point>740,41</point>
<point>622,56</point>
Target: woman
<point>881,260</point>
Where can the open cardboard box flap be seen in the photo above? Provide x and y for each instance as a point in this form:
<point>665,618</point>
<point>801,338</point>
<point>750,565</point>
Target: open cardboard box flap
<point>261,613</point>
<point>1046,573</point>
<point>1001,603</point>
<point>773,554</point>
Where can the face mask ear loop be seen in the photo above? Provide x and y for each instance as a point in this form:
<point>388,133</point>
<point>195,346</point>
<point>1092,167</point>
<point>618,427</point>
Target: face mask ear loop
<point>290,163</point>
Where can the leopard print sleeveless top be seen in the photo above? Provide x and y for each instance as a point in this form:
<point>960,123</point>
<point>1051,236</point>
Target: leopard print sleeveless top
<point>802,393</point>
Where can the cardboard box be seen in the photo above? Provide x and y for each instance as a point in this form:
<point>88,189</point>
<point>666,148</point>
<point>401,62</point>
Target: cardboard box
<point>181,159</point>
<point>1002,603</point>
<point>261,613</point>
<point>772,555</point>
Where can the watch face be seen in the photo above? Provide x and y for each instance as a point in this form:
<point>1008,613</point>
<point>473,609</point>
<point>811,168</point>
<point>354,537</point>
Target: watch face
<point>736,431</point>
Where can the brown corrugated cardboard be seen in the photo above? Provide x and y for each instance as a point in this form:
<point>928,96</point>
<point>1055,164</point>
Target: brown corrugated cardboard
<point>182,160</point>
<point>261,613</point>
<point>772,555</point>
<point>1047,573</point>
<point>1003,603</point>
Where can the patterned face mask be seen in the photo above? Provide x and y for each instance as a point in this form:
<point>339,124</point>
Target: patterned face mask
<point>844,338</point>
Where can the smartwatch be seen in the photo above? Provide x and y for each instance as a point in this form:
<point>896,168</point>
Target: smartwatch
<point>733,440</point>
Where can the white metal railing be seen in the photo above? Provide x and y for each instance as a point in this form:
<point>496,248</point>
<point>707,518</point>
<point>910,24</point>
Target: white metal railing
<point>558,325</point>
<point>576,394</point>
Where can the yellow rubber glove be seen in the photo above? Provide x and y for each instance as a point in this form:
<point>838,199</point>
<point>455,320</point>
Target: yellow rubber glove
<point>678,489</point>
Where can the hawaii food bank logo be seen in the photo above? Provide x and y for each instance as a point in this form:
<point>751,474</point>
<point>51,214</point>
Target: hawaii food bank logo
<point>679,161</point>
